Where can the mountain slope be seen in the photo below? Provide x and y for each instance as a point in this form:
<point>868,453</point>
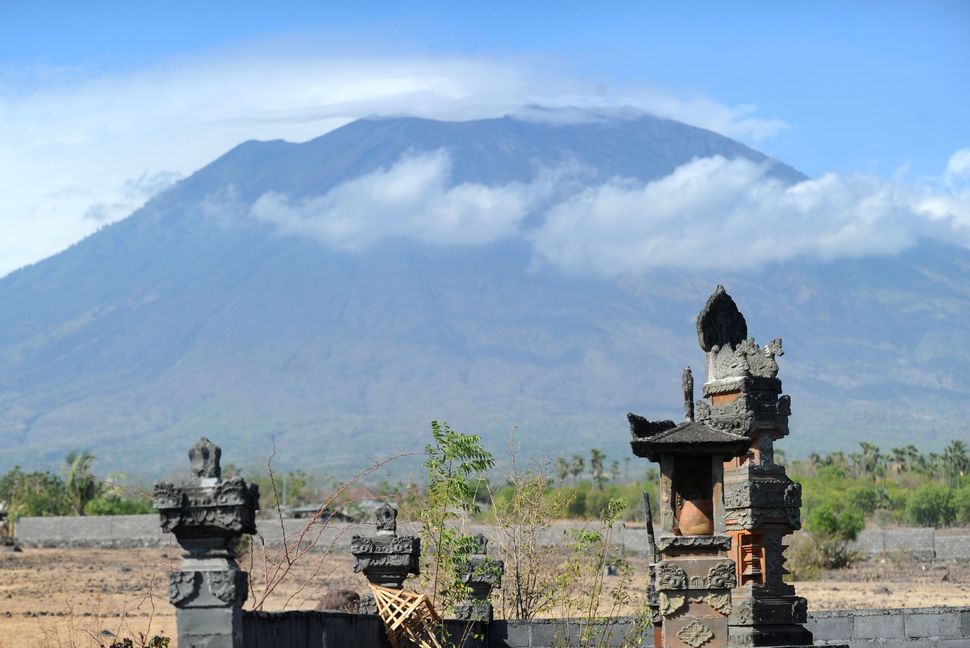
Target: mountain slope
<point>190,317</point>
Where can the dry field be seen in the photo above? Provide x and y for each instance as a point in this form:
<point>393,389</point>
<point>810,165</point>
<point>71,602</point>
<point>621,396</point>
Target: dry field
<point>86,597</point>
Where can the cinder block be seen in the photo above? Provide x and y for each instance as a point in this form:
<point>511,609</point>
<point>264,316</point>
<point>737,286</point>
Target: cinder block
<point>878,626</point>
<point>941,624</point>
<point>830,628</point>
<point>510,634</point>
<point>965,623</point>
<point>952,643</point>
<point>952,547</point>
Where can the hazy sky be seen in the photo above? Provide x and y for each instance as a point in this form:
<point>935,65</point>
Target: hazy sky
<point>101,104</point>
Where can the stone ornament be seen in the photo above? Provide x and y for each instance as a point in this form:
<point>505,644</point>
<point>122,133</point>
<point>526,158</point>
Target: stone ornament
<point>228,586</point>
<point>720,323</point>
<point>182,585</point>
<point>695,634</point>
<point>386,518</point>
<point>671,577</point>
<point>204,457</point>
<point>722,576</point>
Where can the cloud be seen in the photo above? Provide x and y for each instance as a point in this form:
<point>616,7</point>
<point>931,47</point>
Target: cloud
<point>711,213</point>
<point>75,140</point>
<point>411,199</point>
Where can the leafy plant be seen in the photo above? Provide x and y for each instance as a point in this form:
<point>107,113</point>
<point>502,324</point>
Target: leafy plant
<point>455,465</point>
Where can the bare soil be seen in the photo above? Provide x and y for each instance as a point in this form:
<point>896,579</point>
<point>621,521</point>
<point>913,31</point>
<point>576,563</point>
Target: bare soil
<point>90,597</point>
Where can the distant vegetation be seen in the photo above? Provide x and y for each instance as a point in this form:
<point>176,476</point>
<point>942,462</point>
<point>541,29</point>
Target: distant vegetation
<point>841,491</point>
<point>75,490</point>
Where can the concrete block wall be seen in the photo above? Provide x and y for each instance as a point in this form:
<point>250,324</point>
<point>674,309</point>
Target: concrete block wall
<point>126,531</point>
<point>913,628</point>
<point>895,628</point>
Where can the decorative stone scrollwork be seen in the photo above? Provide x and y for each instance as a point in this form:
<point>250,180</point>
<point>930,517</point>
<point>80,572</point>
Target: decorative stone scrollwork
<point>719,601</point>
<point>182,585</point>
<point>722,576</point>
<point>228,586</point>
<point>720,323</point>
<point>721,542</point>
<point>743,613</point>
<point>695,634</point>
<point>670,604</point>
<point>671,577</point>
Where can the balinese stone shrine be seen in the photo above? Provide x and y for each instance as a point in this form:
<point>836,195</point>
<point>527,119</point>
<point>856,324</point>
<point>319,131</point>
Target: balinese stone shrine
<point>725,506</point>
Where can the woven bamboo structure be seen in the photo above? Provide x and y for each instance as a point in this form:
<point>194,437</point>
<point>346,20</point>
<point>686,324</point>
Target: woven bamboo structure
<point>409,618</point>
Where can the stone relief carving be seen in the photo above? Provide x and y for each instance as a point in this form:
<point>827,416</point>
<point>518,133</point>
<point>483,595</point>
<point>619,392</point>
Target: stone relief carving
<point>722,576</point>
<point>716,541</point>
<point>743,613</point>
<point>182,585</point>
<point>228,586</point>
<point>671,577</point>
<point>670,604</point>
<point>695,634</point>
<point>719,601</point>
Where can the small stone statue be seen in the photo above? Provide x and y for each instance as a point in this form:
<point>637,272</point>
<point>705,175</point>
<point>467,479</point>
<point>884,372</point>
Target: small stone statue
<point>687,382</point>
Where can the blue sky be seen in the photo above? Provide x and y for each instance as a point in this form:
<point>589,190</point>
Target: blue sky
<point>838,87</point>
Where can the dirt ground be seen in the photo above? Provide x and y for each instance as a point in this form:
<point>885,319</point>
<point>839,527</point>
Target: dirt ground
<point>86,597</point>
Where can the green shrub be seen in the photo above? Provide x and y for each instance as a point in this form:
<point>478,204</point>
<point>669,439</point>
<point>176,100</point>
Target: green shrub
<point>931,505</point>
<point>114,505</point>
<point>961,502</point>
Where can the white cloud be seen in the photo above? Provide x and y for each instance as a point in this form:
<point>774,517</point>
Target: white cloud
<point>411,199</point>
<point>710,213</point>
<point>74,141</point>
<point>717,214</point>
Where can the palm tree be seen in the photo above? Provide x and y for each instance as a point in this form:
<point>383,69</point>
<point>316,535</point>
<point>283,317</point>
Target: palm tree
<point>79,482</point>
<point>562,469</point>
<point>596,467</point>
<point>576,467</point>
<point>956,462</point>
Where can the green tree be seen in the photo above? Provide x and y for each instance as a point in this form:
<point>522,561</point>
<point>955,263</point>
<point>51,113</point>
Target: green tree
<point>576,466</point>
<point>79,481</point>
<point>931,505</point>
<point>832,532</point>
<point>956,462</point>
<point>596,458</point>
<point>562,470</point>
<point>33,494</point>
<point>455,465</point>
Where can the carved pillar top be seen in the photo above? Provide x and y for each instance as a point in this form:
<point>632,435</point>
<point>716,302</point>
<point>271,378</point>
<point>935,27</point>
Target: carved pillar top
<point>387,558</point>
<point>207,514</point>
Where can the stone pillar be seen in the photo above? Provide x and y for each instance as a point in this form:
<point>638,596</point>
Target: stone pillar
<point>694,581</point>
<point>481,575</point>
<point>761,504</point>
<point>386,559</point>
<point>207,517</point>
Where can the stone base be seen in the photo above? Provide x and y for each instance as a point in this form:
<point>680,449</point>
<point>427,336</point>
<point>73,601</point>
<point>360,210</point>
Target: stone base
<point>775,636</point>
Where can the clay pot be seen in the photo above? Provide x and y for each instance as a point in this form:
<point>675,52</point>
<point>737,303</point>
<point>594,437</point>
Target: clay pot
<point>696,518</point>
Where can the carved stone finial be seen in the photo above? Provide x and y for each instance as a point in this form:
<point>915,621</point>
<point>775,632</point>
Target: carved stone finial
<point>386,518</point>
<point>481,544</point>
<point>204,457</point>
<point>720,322</point>
<point>687,382</point>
